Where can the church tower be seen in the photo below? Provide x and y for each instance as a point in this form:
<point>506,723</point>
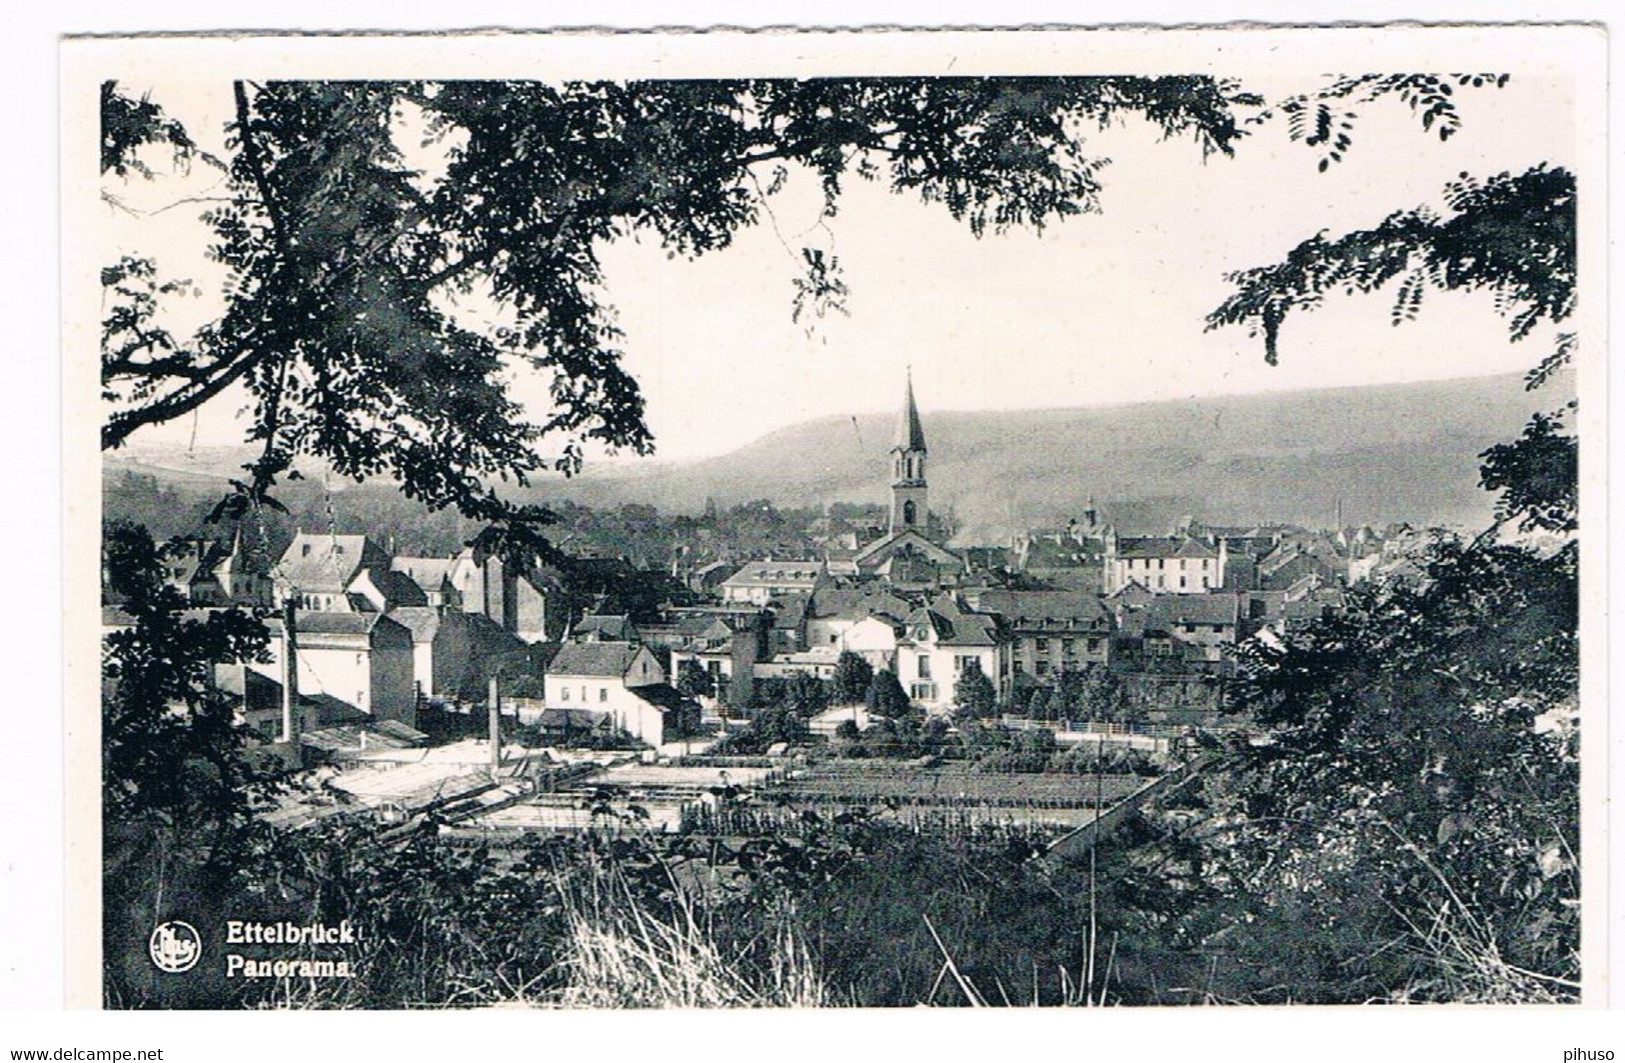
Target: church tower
<point>908,468</point>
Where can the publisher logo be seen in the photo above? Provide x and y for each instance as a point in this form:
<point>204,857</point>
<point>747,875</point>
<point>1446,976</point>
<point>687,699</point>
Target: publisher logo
<point>175,946</point>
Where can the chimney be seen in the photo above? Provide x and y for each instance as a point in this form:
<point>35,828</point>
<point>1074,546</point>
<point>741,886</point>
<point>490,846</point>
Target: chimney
<point>290,674</point>
<point>494,716</point>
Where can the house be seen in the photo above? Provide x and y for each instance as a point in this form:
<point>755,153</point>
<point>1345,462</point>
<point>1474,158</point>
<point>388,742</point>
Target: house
<point>211,572</point>
<point>729,645</point>
<point>1209,622</point>
<point>453,652</point>
<point>759,582</point>
<point>524,603</point>
<point>327,727</point>
<point>433,575</point>
<point>341,574</point>
<point>595,627</point>
<point>1174,564</point>
<point>361,658</point>
<point>1293,561</point>
<point>710,576</point>
<point>864,620</point>
<point>818,663</point>
<point>1049,631</point>
<point>614,680</point>
<point>940,641</point>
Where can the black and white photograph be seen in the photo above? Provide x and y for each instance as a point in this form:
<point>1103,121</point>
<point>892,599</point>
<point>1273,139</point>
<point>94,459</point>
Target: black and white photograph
<point>1048,519</point>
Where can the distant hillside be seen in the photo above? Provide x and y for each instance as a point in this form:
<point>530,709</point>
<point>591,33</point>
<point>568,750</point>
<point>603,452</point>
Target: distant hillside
<point>1392,452</point>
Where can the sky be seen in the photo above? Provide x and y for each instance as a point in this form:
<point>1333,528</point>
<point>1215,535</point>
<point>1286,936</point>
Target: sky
<point>1102,309</point>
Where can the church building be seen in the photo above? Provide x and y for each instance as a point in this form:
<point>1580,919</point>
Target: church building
<point>905,556</point>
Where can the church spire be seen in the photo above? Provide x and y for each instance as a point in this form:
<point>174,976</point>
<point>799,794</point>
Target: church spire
<point>908,466</point>
<point>910,436</point>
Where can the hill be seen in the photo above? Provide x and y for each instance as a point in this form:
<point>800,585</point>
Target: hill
<point>1390,452</point>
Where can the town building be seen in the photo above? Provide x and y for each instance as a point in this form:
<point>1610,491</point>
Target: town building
<point>1172,564</point>
<point>940,641</point>
<point>363,658</point>
<point>334,573</point>
<point>759,582</point>
<point>518,601</point>
<point>210,572</point>
<point>623,682</point>
<point>1049,631</point>
<point>433,575</point>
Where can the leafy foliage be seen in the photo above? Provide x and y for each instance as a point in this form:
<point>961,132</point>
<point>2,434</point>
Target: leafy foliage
<point>128,125</point>
<point>852,677</point>
<point>1407,790</point>
<point>1312,117</point>
<point>974,695</point>
<point>1539,477</point>
<point>886,697</point>
<point>171,745</point>
<point>1510,234</point>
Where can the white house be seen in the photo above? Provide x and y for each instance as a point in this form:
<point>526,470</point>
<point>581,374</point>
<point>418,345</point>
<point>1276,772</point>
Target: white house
<point>621,680</point>
<point>759,582</point>
<point>364,659</point>
<point>940,642</point>
<point>1174,564</point>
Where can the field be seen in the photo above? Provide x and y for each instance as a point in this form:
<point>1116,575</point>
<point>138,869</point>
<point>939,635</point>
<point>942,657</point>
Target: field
<point>954,788</point>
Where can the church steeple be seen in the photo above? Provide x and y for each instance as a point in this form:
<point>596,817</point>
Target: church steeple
<point>908,466</point>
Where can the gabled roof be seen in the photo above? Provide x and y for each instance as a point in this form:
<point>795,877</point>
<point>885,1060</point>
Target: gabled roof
<point>429,573</point>
<point>609,628</point>
<point>326,563</point>
<point>1044,608</point>
<point>1173,609</point>
<point>662,696</point>
<point>423,621</point>
<point>855,603</point>
<point>776,574</point>
<point>317,622</point>
<point>193,559</point>
<point>954,626</point>
<point>600,659</point>
<point>1166,546</point>
<point>877,552</point>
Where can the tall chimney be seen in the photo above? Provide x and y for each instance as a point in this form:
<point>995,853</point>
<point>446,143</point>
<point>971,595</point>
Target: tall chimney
<point>495,716</point>
<point>290,674</point>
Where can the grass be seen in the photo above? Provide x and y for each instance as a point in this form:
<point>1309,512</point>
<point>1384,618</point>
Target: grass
<point>619,954</point>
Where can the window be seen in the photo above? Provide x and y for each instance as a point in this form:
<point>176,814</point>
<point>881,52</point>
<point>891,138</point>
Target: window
<point>962,663</point>
<point>1182,582</point>
<point>924,666</point>
<point>1069,646</point>
<point>1043,668</point>
<point>564,693</point>
<point>583,692</point>
<point>603,693</point>
<point>923,691</point>
<point>1018,666</point>
<point>1042,645</point>
<point>1094,645</point>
